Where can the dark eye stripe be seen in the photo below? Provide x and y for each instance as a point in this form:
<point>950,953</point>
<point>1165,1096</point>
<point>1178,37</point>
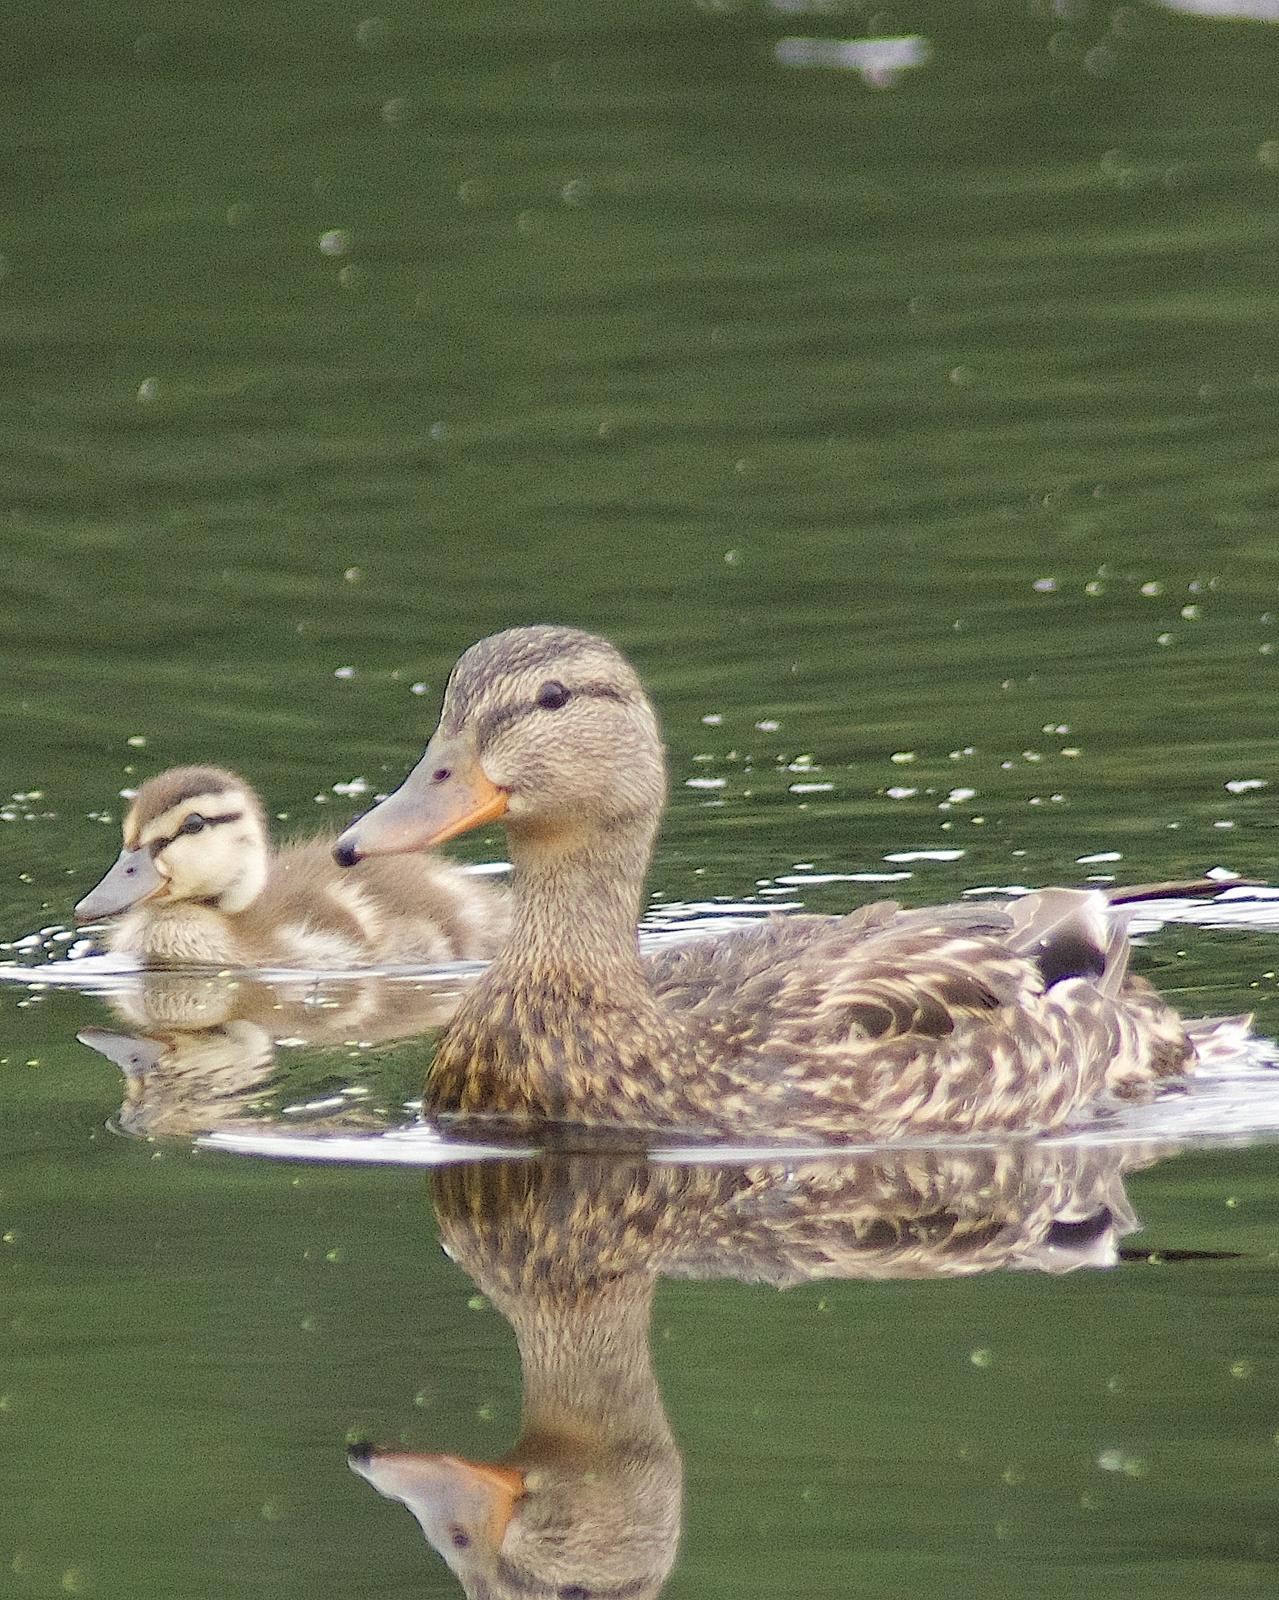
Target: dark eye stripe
<point>156,845</point>
<point>523,708</point>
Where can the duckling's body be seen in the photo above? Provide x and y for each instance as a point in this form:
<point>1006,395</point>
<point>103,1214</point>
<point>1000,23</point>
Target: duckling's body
<point>888,1022</point>
<point>200,884</point>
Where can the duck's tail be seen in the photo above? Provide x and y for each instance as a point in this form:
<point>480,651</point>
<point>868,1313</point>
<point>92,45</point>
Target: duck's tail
<point>1220,1041</point>
<point>1130,894</point>
<point>1071,933</point>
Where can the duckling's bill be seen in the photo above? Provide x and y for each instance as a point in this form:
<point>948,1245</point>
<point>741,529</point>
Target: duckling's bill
<point>437,801</point>
<point>132,879</point>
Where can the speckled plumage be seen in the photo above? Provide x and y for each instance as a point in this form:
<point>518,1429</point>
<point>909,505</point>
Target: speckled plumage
<point>949,1020</point>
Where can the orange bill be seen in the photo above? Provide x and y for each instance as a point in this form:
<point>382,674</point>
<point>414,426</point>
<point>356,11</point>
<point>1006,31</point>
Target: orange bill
<point>437,801</point>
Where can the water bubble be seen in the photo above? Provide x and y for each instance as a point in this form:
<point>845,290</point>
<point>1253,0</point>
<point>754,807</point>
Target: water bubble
<point>148,389</point>
<point>575,192</point>
<point>344,672</point>
<point>335,242</point>
<point>1242,1369</point>
<point>1045,586</point>
<point>417,688</point>
<point>981,1358</point>
<point>352,575</point>
<point>1268,155</point>
<point>397,111</point>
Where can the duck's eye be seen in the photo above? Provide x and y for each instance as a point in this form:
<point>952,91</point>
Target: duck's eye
<point>193,823</point>
<point>461,1539</point>
<point>552,695</point>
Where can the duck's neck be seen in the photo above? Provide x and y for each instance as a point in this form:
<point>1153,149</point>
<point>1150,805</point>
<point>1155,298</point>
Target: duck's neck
<point>588,1376</point>
<point>567,999</point>
<point>577,902</point>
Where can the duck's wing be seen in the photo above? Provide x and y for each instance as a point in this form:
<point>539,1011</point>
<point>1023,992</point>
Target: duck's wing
<point>942,1020</point>
<point>901,966</point>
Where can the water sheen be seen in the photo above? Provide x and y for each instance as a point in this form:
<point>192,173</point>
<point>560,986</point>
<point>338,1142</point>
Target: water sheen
<point>909,420</point>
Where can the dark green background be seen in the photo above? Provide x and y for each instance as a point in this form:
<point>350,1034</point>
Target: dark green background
<point>794,387</point>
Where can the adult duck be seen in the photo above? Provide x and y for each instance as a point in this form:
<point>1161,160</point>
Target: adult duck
<point>882,1024</point>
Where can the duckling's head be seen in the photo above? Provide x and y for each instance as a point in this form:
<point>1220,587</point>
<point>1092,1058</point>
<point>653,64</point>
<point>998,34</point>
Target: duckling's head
<point>192,834</point>
<point>538,1531</point>
<point>548,729</point>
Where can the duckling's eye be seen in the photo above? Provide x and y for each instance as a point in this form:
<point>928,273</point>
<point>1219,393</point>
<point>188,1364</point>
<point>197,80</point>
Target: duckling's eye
<point>552,695</point>
<point>442,773</point>
<point>461,1539</point>
<point>193,823</point>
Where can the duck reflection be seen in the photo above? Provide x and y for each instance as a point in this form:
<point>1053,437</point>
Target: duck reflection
<point>200,1052</point>
<point>569,1249</point>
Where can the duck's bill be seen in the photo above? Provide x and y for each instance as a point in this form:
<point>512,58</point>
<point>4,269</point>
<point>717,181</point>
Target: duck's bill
<point>424,811</point>
<point>134,1056</point>
<point>444,1493</point>
<point>133,878</point>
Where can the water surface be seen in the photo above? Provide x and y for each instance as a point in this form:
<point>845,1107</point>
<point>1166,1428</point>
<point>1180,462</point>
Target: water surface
<point>917,443</point>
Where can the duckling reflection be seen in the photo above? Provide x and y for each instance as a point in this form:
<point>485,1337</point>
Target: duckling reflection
<point>201,1052</point>
<point>569,1249</point>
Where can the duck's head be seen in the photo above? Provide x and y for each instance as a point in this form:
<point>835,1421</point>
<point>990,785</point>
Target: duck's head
<point>537,1531</point>
<point>548,729</point>
<point>192,834</point>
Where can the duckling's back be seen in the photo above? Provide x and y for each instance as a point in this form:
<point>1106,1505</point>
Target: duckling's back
<point>424,909</point>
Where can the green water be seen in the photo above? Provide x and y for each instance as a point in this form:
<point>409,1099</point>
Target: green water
<point>933,421</point>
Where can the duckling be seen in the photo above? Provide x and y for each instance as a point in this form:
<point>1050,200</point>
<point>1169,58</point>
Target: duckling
<point>885,1023</point>
<point>200,884</point>
<point>199,1053</point>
